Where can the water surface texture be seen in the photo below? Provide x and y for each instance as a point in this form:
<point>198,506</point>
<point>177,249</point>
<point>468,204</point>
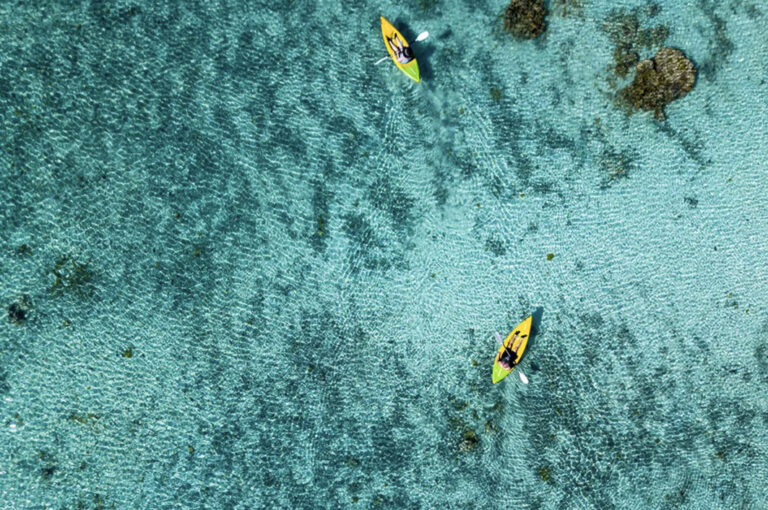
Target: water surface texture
<point>241,266</point>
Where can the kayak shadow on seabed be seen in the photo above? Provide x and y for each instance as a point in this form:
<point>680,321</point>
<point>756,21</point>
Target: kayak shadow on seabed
<point>422,50</point>
<point>537,315</point>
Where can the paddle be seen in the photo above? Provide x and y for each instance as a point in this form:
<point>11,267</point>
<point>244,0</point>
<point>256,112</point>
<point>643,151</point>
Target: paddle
<point>419,38</point>
<point>523,378</point>
<point>422,36</point>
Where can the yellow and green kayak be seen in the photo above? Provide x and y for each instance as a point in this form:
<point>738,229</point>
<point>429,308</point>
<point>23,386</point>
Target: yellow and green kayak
<point>392,36</point>
<point>522,331</point>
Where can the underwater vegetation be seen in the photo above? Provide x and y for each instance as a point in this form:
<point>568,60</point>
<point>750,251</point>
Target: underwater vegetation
<point>71,276</point>
<point>496,246</point>
<point>471,420</point>
<point>524,19</point>
<point>720,44</point>
<point>320,201</point>
<point>567,7</point>
<point>24,251</point>
<point>623,30</point>
<point>469,441</point>
<point>615,165</point>
<point>426,5</point>
<point>658,81</point>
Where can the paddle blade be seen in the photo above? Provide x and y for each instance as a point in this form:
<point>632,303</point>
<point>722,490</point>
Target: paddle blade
<point>522,377</point>
<point>422,36</point>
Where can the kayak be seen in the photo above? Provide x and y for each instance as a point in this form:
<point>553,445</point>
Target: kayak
<point>522,331</point>
<point>390,33</point>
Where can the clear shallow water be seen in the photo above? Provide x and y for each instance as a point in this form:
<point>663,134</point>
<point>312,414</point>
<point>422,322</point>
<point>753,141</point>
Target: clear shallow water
<point>260,272</point>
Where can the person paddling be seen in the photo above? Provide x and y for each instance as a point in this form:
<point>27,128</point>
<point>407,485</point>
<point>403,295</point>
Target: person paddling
<point>403,54</point>
<point>508,359</point>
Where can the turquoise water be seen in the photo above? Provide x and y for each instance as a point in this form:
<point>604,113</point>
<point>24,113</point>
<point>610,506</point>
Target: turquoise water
<point>245,267</point>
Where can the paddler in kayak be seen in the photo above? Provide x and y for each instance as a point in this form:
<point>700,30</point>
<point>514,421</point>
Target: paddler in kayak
<point>403,54</point>
<point>508,358</point>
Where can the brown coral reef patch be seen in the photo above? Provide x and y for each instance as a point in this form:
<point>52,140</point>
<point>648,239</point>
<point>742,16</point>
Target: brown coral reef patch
<point>668,76</point>
<point>524,19</point>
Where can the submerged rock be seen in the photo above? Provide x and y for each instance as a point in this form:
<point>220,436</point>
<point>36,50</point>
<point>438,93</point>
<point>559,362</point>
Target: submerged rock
<point>668,76</point>
<point>17,312</point>
<point>525,18</point>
